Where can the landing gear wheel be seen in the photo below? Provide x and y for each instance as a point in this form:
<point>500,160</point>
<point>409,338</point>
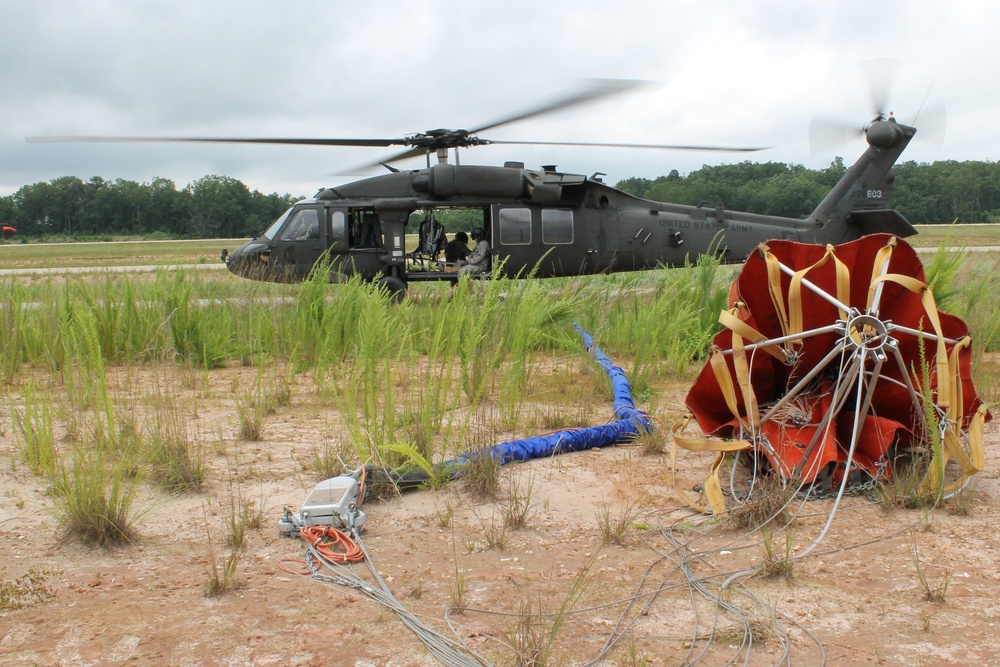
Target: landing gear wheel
<point>395,287</point>
<point>833,359</point>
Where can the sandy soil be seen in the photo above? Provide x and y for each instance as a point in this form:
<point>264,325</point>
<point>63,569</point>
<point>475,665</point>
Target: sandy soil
<point>857,599</point>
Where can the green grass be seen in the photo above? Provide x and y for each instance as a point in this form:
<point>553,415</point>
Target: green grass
<point>97,498</point>
<point>956,236</point>
<point>131,252</point>
<point>118,253</point>
<point>446,372</point>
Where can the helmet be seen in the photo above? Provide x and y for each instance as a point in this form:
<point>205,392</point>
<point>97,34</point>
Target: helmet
<point>477,234</point>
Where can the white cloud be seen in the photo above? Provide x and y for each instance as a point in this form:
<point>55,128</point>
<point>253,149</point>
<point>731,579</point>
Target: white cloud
<point>728,73</point>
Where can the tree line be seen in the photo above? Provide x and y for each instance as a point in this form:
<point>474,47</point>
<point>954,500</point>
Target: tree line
<point>223,207</point>
<point>211,207</point>
<point>940,192</point>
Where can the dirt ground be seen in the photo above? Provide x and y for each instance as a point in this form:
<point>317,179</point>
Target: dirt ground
<point>856,599</point>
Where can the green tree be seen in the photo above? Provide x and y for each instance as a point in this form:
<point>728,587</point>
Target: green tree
<point>219,207</point>
<point>8,211</point>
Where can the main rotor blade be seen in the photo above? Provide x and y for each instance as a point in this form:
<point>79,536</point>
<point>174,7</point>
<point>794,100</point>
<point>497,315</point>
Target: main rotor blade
<point>597,89</point>
<point>216,140</point>
<point>383,162</point>
<point>673,147</point>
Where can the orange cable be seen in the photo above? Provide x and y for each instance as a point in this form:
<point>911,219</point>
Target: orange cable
<point>315,535</point>
<point>305,569</point>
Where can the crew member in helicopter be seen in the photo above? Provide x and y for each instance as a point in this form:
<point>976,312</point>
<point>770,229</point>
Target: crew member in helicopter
<point>479,260</point>
<point>457,249</point>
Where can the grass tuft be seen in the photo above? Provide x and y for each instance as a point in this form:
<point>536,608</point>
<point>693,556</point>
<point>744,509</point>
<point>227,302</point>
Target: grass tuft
<point>613,525</point>
<point>97,498</point>
<point>767,503</point>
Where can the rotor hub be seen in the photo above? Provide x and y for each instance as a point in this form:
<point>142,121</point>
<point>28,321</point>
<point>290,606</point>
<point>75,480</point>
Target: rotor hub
<point>867,332</point>
<point>886,133</point>
<point>443,138</point>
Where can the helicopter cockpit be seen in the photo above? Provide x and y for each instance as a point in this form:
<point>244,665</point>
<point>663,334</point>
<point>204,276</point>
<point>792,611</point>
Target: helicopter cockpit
<point>357,240</point>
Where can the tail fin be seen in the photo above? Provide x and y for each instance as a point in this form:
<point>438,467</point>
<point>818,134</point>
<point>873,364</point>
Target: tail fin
<point>858,203</point>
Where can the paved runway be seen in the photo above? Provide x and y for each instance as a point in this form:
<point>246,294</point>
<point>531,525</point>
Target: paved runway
<point>149,268</point>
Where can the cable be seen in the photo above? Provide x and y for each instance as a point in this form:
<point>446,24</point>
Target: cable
<point>315,536</point>
<point>447,651</point>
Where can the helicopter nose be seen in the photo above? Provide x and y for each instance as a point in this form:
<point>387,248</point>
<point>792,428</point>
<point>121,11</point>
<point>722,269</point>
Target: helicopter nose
<point>233,260</point>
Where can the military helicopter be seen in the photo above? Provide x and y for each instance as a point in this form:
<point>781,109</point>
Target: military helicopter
<point>541,222</point>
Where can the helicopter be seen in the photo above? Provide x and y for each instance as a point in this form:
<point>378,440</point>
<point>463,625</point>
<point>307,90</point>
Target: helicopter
<point>539,222</point>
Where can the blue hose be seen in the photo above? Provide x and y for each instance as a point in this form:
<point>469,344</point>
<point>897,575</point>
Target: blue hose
<point>629,423</point>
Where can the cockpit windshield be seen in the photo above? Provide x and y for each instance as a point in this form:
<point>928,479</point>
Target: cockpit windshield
<point>273,229</point>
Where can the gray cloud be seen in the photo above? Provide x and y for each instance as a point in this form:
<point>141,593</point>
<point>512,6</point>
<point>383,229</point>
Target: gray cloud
<point>729,73</point>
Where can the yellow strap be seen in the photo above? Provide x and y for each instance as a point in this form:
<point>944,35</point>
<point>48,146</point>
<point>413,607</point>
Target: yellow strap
<point>730,319</point>
<point>742,367</point>
<point>721,371</point>
<point>971,461</point>
<point>843,279</point>
<point>882,258</point>
<point>930,307</point>
<point>712,488</point>
<point>774,286</point>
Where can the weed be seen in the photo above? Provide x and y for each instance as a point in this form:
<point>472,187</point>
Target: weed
<point>905,487</point>
<point>753,630</point>
<point>241,516</point>
<point>445,515</point>
<point>767,503</point>
<point>97,498</point>
<point>417,591</point>
<point>177,462</point>
<point>251,411</point>
<point>481,475</point>
<point>632,656</point>
<point>963,500</point>
<point>329,461</point>
<point>941,272</point>
<point>27,590</point>
<point>533,631</point>
<point>222,573</point>
<point>33,428</point>
<point>613,525</point>
<point>517,509</point>
<point>12,325</point>
<point>457,588</point>
<point>495,532</point>
<point>653,441</point>
<point>526,635</point>
<point>436,475</point>
<point>238,516</point>
<point>932,592</point>
<point>776,565</point>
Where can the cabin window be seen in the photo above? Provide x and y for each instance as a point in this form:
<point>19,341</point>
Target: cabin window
<point>557,226</point>
<point>304,226</point>
<point>338,229</point>
<point>276,225</point>
<point>515,226</point>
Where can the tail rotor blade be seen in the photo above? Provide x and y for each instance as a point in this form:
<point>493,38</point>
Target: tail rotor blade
<point>826,134</point>
<point>880,74</point>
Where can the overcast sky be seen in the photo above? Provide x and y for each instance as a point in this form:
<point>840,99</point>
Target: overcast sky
<point>751,73</point>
